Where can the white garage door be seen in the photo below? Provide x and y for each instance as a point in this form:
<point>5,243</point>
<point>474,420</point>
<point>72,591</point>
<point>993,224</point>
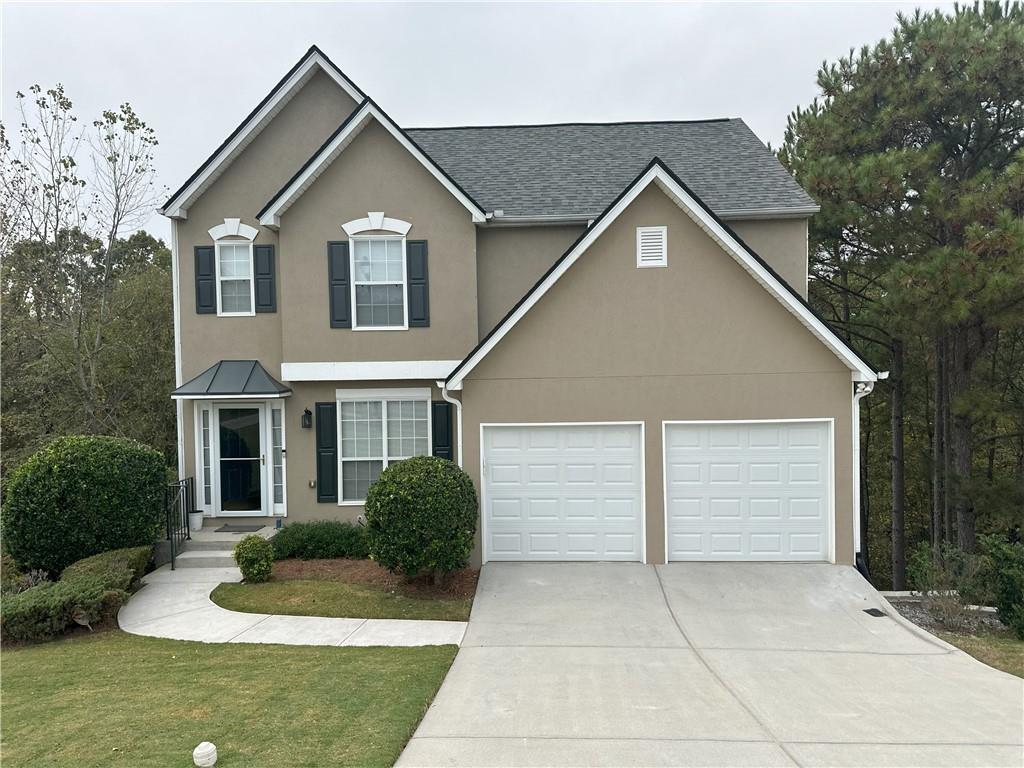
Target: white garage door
<point>748,491</point>
<point>566,492</point>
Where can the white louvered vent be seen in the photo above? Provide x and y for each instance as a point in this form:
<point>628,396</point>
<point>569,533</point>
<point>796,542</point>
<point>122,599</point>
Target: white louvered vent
<point>652,246</point>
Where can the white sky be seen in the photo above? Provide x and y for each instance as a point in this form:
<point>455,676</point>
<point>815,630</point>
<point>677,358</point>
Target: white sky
<point>194,70</point>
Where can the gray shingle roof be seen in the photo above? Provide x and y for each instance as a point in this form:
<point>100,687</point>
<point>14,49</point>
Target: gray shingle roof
<point>579,169</point>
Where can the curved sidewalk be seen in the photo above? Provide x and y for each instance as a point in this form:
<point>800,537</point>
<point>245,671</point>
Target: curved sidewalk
<point>176,605</point>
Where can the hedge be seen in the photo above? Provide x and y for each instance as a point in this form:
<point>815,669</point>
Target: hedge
<point>88,591</point>
<point>80,496</point>
<point>320,540</point>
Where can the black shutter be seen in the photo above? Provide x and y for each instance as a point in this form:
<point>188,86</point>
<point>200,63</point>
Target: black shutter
<point>326,452</point>
<point>265,278</point>
<point>441,429</point>
<point>337,282</point>
<point>419,291</point>
<point>206,280</point>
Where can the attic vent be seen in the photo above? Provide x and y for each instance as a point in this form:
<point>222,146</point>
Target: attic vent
<point>652,246</point>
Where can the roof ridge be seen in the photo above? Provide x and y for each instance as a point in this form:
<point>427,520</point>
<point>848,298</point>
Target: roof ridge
<point>579,123</point>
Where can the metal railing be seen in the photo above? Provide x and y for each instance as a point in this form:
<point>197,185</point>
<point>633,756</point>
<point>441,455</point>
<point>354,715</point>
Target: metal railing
<point>179,500</point>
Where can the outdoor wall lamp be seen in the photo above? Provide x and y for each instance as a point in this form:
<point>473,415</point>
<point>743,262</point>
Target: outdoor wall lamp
<point>307,419</point>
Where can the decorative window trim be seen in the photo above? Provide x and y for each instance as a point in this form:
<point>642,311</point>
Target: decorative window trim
<point>376,221</point>
<point>382,395</point>
<point>354,281</point>
<point>645,257</point>
<point>233,228</point>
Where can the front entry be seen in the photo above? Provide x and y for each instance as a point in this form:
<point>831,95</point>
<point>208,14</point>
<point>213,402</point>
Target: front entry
<point>242,463</point>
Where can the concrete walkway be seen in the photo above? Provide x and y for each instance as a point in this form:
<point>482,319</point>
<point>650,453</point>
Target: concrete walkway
<point>176,605</point>
<point>709,664</point>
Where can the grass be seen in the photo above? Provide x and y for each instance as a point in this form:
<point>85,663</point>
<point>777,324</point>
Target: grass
<point>315,597</point>
<point>1000,651</point>
<point>111,698</point>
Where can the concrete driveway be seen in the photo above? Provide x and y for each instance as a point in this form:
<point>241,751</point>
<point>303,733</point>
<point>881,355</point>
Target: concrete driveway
<point>708,664</point>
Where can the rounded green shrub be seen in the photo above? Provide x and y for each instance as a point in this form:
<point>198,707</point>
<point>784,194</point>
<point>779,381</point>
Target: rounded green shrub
<point>255,558</point>
<point>421,517</point>
<point>80,496</point>
<point>320,539</point>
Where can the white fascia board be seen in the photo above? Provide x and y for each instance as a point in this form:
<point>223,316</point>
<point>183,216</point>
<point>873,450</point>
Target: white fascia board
<point>272,214</point>
<point>384,370</point>
<point>715,230</point>
<point>272,396</point>
<point>177,208</point>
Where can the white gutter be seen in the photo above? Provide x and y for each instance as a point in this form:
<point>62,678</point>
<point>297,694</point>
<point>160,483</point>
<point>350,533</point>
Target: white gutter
<point>179,408</point>
<point>861,389</point>
<point>458,419</point>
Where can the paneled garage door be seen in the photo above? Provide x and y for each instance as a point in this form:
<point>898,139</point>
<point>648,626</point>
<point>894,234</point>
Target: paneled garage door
<point>748,491</point>
<point>563,492</point>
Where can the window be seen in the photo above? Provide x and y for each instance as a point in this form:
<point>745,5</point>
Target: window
<point>205,443</point>
<point>652,246</point>
<point>234,279</point>
<point>378,282</point>
<point>376,429</point>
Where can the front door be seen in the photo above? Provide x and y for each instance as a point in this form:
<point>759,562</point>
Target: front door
<point>241,459</point>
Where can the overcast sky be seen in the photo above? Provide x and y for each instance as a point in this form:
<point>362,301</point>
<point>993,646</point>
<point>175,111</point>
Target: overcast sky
<point>193,71</point>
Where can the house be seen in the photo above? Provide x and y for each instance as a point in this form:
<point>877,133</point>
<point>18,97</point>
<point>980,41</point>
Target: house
<point>606,325</point>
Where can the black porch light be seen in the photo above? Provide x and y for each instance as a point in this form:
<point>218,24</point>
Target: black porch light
<point>307,419</point>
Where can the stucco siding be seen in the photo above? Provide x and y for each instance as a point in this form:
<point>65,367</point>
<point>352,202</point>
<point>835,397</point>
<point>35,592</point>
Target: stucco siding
<point>780,242</point>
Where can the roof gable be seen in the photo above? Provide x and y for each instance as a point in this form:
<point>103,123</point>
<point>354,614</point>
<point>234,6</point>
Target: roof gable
<point>337,142</point>
<point>313,61</point>
<point>657,173</point>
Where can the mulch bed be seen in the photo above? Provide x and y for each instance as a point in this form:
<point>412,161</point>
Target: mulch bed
<point>458,585</point>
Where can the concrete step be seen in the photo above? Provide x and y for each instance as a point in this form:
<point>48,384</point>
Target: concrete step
<point>207,545</point>
<point>205,559</point>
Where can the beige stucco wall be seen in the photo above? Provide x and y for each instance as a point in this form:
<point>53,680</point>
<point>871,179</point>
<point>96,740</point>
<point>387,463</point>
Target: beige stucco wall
<point>509,260</point>
<point>699,339</point>
<point>780,242</point>
<point>375,173</point>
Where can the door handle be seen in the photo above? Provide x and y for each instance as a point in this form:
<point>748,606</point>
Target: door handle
<point>263,458</point>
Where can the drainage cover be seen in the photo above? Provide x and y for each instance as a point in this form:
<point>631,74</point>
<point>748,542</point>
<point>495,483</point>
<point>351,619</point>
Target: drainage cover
<point>874,612</point>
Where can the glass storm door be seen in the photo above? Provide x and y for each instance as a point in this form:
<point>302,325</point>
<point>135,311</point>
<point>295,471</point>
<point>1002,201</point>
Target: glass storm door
<point>241,459</point>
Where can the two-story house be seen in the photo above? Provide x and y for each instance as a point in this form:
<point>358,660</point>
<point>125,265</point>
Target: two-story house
<point>606,325</point>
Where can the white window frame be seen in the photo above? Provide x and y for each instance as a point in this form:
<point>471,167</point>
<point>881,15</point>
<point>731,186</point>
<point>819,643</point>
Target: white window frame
<point>383,395</point>
<point>405,283</point>
<point>663,261</point>
<point>252,281</point>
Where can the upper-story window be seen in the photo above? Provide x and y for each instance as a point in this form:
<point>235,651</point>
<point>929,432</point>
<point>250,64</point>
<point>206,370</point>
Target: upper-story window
<point>233,268</point>
<point>379,282</point>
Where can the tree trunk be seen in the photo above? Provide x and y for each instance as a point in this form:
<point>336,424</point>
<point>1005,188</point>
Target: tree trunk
<point>938,449</point>
<point>961,438</point>
<point>896,464</point>
<point>948,520</point>
<point>865,497</point>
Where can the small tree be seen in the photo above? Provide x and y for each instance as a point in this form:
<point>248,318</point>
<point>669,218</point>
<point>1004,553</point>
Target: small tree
<point>421,517</point>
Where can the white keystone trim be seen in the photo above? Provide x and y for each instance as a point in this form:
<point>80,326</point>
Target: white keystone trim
<point>369,111</point>
<point>376,222</point>
<point>233,228</point>
<point>718,233</point>
<point>384,370</point>
<point>177,207</point>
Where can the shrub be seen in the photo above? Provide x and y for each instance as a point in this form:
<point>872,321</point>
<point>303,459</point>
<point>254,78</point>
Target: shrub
<point>80,496</point>
<point>89,590</point>
<point>421,517</point>
<point>1003,569</point>
<point>255,558</point>
<point>322,539</point>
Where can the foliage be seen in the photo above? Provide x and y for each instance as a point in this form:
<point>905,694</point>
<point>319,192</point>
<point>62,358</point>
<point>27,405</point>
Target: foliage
<point>1004,572</point>
<point>10,574</point>
<point>421,517</point>
<point>954,571</point>
<point>320,539</point>
<point>80,496</point>
<point>255,558</point>
<point>914,152</point>
<point>89,590</point>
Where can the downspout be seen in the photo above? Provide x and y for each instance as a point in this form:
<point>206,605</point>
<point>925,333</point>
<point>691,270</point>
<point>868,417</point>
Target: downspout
<point>861,389</point>
<point>458,418</point>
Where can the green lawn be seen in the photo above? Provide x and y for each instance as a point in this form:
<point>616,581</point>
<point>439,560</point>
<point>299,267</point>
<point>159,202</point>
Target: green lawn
<point>112,698</point>
<point>314,597</point>
<point>999,651</point>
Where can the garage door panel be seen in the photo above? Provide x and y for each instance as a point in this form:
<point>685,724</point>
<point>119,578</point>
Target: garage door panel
<point>748,491</point>
<point>576,496</point>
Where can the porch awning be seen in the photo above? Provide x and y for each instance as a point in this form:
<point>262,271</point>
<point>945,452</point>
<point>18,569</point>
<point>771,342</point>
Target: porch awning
<point>232,379</point>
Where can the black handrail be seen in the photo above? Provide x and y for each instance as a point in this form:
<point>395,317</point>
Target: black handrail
<point>179,500</point>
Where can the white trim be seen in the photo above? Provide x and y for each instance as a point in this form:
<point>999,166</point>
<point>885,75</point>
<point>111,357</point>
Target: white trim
<point>266,489</point>
<point>383,393</point>
<point>831,533</point>
<point>662,258</point>
<point>233,228</point>
<point>657,174</point>
<point>198,407</point>
<point>252,277</point>
<point>277,509</point>
<point>277,396</point>
<point>177,207</point>
<point>354,283</point>
<point>179,409</point>
<point>282,201</point>
<point>376,221</point>
<point>740,214</point>
<point>860,391</point>
<point>643,472</point>
<point>369,370</point>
